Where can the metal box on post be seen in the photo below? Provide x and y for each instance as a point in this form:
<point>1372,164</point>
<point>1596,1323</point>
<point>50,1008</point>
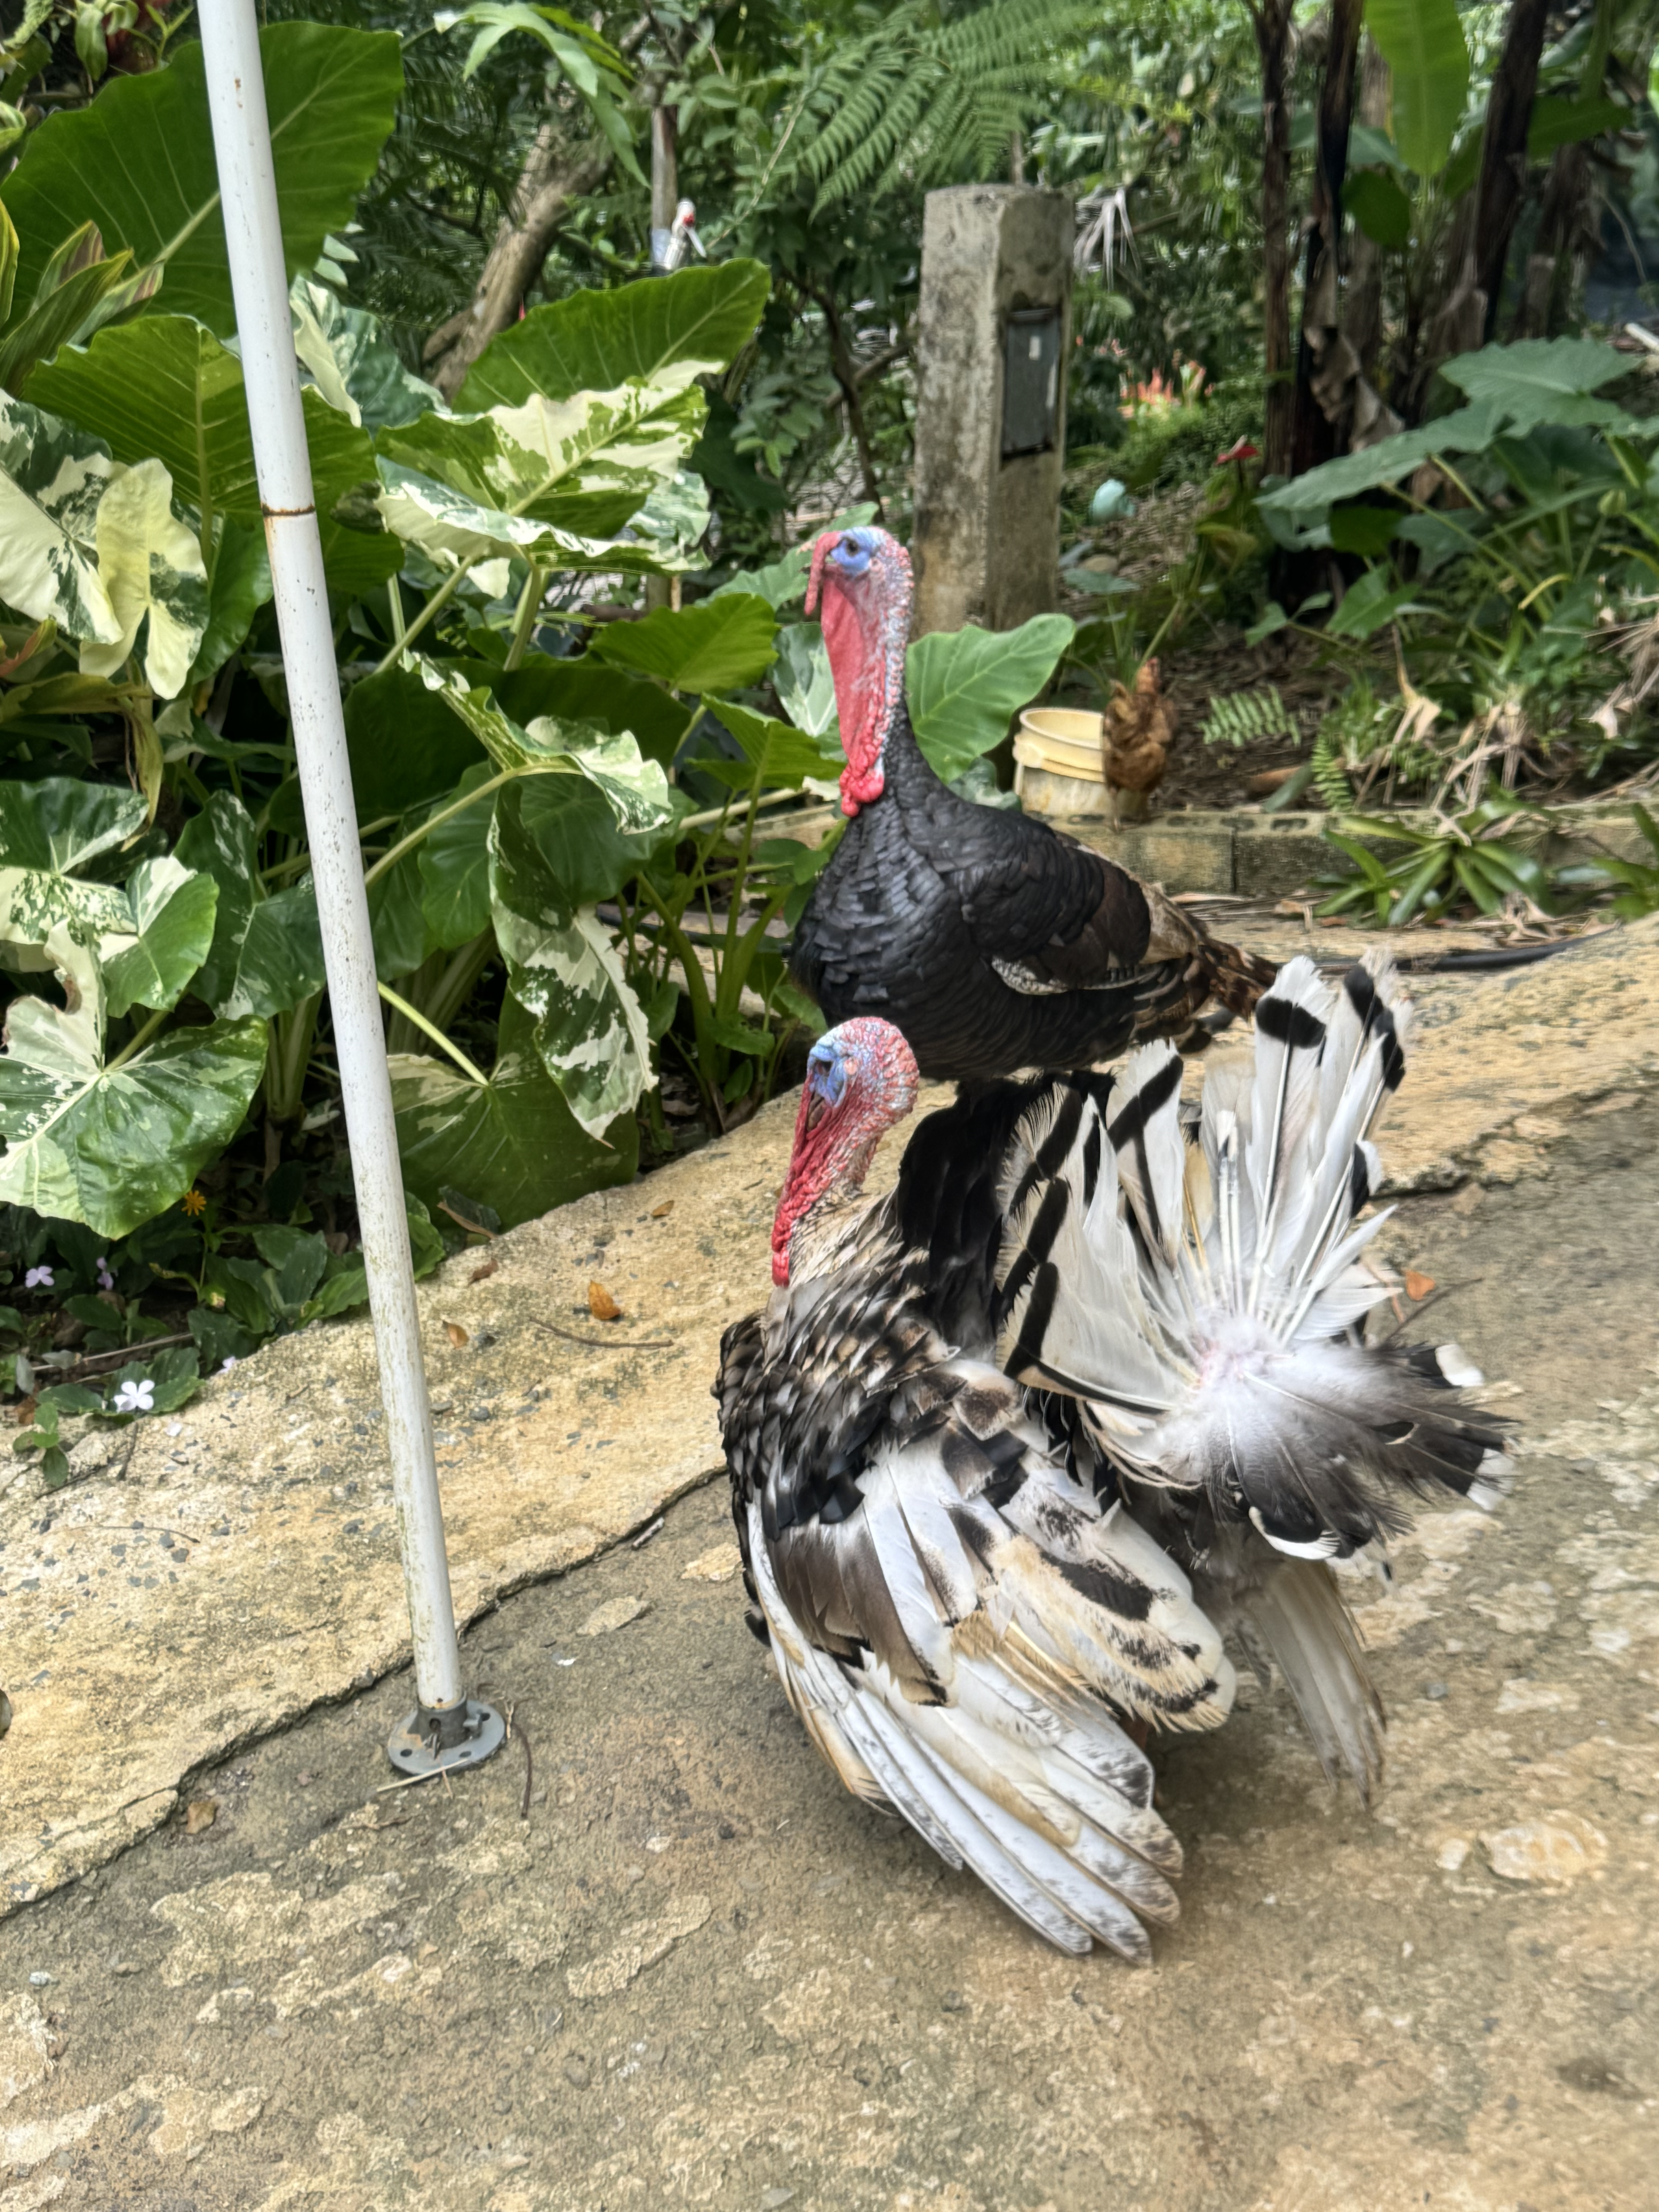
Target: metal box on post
<point>1030,381</point>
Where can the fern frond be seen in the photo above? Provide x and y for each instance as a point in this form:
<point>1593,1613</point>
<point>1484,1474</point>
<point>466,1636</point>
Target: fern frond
<point>917,100</point>
<point>1239,718</point>
<point>1329,782</point>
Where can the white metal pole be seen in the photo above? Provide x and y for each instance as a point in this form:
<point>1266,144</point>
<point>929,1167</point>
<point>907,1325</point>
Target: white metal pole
<point>260,283</point>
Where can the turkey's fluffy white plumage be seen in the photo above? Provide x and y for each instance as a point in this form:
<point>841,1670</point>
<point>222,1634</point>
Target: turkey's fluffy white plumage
<point>1021,1440</point>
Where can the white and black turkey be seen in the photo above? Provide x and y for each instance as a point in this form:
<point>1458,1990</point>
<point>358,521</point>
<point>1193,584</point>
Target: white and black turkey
<point>1013,1446</point>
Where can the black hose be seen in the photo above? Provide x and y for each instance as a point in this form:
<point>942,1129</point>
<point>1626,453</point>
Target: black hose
<point>1488,961</point>
<point>1483,961</point>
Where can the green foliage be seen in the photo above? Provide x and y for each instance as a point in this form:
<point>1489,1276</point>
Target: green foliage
<point>1422,41</point>
<point>1241,718</point>
<point>139,162</point>
<point>1635,883</point>
<point>1471,857</point>
<point>723,645</point>
<point>964,688</point>
<point>1512,392</point>
<point>1379,206</point>
<point>596,341</point>
<point>924,89</point>
<point>1329,776</point>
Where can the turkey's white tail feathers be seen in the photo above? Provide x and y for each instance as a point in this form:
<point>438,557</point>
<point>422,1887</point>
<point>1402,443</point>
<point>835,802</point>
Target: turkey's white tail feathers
<point>1300,1617</point>
<point>1221,1357</point>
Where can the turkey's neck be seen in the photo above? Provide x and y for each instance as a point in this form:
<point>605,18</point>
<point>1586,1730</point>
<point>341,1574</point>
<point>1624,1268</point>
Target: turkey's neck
<point>905,772</point>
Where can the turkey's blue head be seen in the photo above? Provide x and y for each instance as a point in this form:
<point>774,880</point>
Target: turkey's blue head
<point>860,1079</point>
<point>860,581</point>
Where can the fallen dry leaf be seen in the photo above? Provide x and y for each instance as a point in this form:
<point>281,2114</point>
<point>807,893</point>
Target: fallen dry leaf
<point>601,1304</point>
<point>661,1212</point>
<point>455,1333</point>
<point>1418,1286</point>
<point>615,1613</point>
<point>201,1815</point>
<point>487,1268</point>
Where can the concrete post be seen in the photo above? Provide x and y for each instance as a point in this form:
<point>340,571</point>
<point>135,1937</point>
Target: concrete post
<point>993,338</point>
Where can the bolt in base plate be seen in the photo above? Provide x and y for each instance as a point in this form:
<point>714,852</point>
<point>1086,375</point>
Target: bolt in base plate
<point>432,1740</point>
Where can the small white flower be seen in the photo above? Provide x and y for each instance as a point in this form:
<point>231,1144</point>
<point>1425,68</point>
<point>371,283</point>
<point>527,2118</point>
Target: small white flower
<point>227,1363</point>
<point>106,1280</point>
<point>135,1398</point>
<point>38,1279</point>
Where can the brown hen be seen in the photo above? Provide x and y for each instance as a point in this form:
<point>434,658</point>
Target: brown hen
<point>1139,728</point>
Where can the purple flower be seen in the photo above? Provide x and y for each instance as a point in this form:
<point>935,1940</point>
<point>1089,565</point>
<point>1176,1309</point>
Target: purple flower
<point>106,1280</point>
<point>38,1279</point>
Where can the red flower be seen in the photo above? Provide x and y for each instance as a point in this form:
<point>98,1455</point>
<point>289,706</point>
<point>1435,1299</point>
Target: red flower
<point>1243,451</point>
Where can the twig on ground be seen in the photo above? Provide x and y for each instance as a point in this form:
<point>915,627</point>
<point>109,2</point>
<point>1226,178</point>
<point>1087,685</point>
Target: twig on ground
<point>410,1780</point>
<point>607,1343</point>
<point>529,1772</point>
<point>121,1353</point>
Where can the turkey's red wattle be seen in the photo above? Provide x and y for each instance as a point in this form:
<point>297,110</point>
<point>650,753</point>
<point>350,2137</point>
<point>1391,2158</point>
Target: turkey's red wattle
<point>859,668</point>
<point>867,620</point>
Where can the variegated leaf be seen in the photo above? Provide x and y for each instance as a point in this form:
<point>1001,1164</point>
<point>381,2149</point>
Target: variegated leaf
<point>114,1147</point>
<point>581,468</point>
<point>562,966</point>
<point>637,789</point>
<point>152,569</point>
<point>355,367</point>
<point>52,479</point>
<point>36,903</point>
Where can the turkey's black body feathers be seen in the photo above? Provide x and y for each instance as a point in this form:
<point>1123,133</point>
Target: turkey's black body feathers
<point>993,943</point>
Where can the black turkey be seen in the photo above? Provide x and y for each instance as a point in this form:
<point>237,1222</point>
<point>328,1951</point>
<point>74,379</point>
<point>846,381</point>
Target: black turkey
<point>1014,1445</point>
<point>991,941</point>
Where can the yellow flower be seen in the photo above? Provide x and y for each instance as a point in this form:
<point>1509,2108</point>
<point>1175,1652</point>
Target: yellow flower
<point>193,1203</point>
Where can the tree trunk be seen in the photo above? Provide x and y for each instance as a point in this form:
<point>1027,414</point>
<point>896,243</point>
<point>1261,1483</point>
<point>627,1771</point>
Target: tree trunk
<point>1272,18</point>
<point>1362,309</point>
<point>1327,365</point>
<point>552,177</point>
<point>1503,155</point>
<point>1564,229</point>
<point>1559,222</point>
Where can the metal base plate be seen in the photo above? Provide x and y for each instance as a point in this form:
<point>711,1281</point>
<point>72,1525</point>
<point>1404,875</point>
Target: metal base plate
<point>417,1745</point>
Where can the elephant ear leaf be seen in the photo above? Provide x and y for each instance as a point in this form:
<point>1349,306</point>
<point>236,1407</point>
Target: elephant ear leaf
<point>266,954</point>
<point>563,968</point>
<point>139,161</point>
<point>152,568</point>
<point>173,910</point>
<point>113,1143</point>
<point>52,479</point>
<point>966,686</point>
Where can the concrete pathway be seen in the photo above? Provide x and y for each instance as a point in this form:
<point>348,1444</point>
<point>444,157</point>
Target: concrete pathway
<point>698,1972</point>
